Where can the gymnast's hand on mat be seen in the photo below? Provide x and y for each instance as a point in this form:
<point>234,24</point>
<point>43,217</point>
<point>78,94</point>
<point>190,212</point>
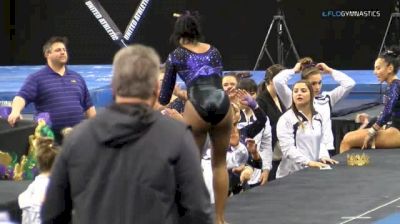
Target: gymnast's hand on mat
<point>315,164</point>
<point>327,160</point>
<point>14,117</point>
<point>368,142</point>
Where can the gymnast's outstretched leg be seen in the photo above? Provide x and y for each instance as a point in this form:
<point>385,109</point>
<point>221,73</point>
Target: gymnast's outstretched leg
<point>219,135</point>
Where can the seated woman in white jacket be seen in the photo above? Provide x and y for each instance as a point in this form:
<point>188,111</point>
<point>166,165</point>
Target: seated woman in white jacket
<point>323,101</point>
<point>300,131</point>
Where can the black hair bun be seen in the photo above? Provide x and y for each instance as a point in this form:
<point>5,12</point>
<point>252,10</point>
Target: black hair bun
<point>393,51</point>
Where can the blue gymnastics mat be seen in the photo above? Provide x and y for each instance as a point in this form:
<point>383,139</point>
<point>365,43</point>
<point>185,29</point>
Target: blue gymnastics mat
<point>98,79</point>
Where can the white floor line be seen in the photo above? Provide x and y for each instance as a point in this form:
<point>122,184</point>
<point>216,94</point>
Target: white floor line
<point>374,209</point>
<point>356,217</point>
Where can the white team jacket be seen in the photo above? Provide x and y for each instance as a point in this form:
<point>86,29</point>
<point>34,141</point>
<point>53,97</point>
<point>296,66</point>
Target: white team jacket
<point>323,103</point>
<point>236,156</point>
<point>264,142</point>
<point>300,143</point>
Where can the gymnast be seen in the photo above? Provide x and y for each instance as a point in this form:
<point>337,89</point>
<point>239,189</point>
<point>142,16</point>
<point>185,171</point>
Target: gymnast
<point>207,110</point>
<point>385,132</point>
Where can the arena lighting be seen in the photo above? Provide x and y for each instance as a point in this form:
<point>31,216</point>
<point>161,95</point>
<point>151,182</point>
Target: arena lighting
<point>110,27</point>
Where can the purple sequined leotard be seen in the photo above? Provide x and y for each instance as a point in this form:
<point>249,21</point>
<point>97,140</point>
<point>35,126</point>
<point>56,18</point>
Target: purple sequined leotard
<point>202,74</point>
<point>391,111</point>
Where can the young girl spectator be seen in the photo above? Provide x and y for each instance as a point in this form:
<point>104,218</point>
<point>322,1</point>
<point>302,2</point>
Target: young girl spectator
<point>229,84</point>
<point>30,201</point>
<point>242,158</point>
<point>236,158</point>
<point>254,124</point>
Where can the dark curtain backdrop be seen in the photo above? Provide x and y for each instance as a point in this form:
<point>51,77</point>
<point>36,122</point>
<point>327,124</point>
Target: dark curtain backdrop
<point>237,28</point>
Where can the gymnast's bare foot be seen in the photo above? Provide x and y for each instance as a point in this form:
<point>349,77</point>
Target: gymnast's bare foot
<point>220,221</point>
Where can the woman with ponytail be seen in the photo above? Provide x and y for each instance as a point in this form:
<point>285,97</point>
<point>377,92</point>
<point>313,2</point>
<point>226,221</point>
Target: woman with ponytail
<point>385,132</point>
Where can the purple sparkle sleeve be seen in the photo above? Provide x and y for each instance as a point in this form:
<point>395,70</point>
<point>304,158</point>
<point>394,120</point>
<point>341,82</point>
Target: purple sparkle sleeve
<point>168,83</point>
<point>392,95</point>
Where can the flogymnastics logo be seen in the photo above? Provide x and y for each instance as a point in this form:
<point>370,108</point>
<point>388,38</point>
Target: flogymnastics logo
<point>350,13</point>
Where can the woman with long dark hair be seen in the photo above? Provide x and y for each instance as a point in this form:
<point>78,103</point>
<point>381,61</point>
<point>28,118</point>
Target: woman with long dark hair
<point>272,105</point>
<point>324,101</point>
<point>300,133</point>
<point>385,133</point>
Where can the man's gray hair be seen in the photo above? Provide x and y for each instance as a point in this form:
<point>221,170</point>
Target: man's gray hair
<point>135,71</point>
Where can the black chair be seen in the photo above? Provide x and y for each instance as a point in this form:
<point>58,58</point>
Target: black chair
<point>16,139</point>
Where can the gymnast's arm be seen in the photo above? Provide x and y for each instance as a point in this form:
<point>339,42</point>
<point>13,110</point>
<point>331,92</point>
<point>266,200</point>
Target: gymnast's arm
<point>168,83</point>
<point>392,98</point>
